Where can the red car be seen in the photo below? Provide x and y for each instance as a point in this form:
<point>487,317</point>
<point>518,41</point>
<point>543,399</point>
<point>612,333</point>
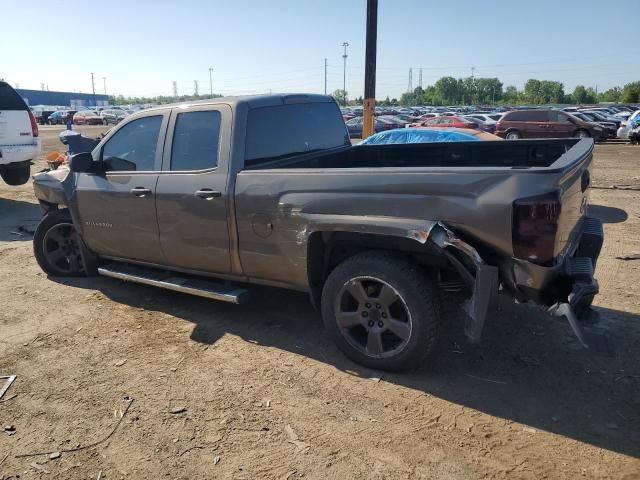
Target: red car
<point>87,117</point>
<point>446,122</point>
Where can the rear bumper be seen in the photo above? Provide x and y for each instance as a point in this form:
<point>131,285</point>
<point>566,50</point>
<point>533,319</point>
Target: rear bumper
<point>571,280</point>
<point>19,153</point>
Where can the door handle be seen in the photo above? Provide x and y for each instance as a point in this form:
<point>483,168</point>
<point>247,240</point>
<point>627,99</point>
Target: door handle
<point>140,192</point>
<point>207,193</point>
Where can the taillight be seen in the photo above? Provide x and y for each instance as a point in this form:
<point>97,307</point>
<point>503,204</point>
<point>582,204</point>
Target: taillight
<point>535,224</point>
<point>34,124</point>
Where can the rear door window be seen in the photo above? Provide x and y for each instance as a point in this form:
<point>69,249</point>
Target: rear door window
<point>9,98</point>
<point>195,140</point>
<point>286,130</point>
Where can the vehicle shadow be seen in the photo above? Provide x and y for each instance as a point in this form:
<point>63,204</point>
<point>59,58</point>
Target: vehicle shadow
<point>18,219</point>
<point>608,214</point>
<point>529,368</point>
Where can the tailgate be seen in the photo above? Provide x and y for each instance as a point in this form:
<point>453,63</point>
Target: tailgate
<point>15,128</point>
<point>573,186</point>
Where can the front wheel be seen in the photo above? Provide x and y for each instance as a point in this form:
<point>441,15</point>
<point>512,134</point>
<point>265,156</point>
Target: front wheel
<point>57,246</point>
<point>382,311</point>
<point>581,134</point>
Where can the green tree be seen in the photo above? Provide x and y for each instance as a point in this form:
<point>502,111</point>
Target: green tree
<point>339,96</point>
<point>579,94</point>
<point>448,89</point>
<point>631,93</point>
<point>511,95</point>
<point>542,92</point>
<point>612,95</point>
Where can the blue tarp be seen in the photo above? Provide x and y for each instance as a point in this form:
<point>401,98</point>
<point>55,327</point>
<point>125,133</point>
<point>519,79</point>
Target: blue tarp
<point>418,135</point>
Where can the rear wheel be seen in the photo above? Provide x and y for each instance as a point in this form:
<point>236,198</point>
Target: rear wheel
<point>58,248</point>
<point>17,174</point>
<point>382,311</point>
<point>581,134</point>
<point>513,135</point>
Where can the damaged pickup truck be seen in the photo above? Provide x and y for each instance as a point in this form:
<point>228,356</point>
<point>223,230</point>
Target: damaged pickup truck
<point>207,197</point>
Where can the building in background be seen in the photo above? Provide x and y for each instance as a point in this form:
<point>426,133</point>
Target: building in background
<point>63,99</point>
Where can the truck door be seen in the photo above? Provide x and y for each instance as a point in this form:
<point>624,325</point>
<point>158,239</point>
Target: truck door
<point>192,195</point>
<point>117,209</point>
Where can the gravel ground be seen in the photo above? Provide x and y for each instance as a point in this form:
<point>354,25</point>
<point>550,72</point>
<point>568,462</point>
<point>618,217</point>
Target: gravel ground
<point>142,383</point>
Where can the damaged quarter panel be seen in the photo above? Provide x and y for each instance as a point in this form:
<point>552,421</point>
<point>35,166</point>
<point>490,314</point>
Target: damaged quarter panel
<point>294,204</point>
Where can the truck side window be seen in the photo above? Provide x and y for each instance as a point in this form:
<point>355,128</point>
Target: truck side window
<point>135,142</point>
<point>195,141</point>
<point>286,130</point>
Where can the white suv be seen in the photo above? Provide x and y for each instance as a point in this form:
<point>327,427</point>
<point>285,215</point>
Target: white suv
<point>19,141</point>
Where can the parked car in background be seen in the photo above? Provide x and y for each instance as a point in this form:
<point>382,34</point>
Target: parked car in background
<point>591,118</point>
<point>451,121</point>
<point>483,125</point>
<point>19,139</point>
<point>541,123</point>
<point>113,116</point>
<point>625,127</point>
<point>602,117</point>
<point>60,117</point>
<point>382,123</point>
<point>87,117</point>
<point>42,116</point>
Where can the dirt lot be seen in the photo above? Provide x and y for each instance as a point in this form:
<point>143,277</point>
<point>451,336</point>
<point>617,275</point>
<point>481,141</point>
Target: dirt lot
<point>261,392</point>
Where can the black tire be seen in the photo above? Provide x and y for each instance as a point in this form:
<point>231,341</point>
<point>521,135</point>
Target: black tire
<point>16,174</point>
<point>416,296</point>
<point>581,133</point>
<point>58,248</point>
<point>513,135</point>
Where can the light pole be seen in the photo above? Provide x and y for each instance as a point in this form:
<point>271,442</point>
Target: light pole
<point>211,81</point>
<point>344,74</point>
<point>104,84</point>
<point>93,88</point>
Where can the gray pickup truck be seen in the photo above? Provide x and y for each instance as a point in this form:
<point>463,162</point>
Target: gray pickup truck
<point>207,197</point>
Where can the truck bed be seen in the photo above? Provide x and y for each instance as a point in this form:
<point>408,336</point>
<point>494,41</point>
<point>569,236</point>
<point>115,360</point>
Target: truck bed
<point>514,154</point>
<point>470,187</point>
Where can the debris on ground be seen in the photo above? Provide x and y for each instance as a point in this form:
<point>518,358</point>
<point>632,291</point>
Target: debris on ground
<point>120,362</point>
<point>216,459</point>
<point>54,455</point>
<point>179,409</point>
<point>629,256</point>
<point>38,467</point>
<point>9,379</point>
<point>128,400</point>
<point>294,439</point>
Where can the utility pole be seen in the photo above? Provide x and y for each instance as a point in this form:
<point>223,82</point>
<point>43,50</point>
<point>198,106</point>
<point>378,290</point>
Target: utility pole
<point>93,88</point>
<point>195,88</point>
<point>473,69</point>
<point>175,88</point>
<point>211,81</point>
<point>104,84</point>
<point>325,76</point>
<point>344,73</point>
<point>420,79</point>
<point>410,85</point>
<point>370,70</point>
<point>42,86</point>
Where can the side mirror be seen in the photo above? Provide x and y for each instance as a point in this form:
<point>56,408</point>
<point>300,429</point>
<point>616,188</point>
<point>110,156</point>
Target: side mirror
<point>83,163</point>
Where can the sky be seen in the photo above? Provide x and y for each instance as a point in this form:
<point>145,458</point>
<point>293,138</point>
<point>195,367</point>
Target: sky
<point>254,46</point>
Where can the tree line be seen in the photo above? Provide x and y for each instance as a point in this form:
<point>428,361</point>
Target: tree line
<point>460,91</point>
<point>490,91</point>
